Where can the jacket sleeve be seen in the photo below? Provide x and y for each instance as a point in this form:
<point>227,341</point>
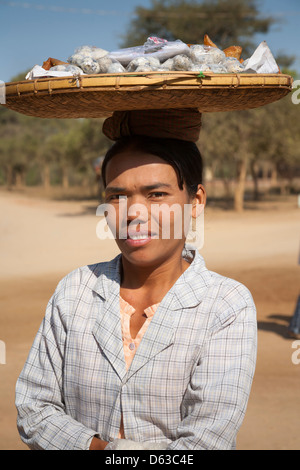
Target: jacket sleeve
<point>215,401</point>
<point>42,420</point>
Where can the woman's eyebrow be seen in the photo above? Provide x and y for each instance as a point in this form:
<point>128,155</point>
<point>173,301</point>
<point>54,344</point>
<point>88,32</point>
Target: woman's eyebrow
<point>156,186</point>
<point>149,187</point>
<point>114,189</point>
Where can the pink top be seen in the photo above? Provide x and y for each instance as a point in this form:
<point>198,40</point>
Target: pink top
<point>130,344</point>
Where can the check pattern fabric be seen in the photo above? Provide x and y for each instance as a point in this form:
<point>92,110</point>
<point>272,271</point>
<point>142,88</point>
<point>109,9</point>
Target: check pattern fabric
<point>189,381</point>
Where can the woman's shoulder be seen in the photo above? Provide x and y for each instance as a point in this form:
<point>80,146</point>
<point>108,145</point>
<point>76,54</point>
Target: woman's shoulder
<point>87,276</point>
<point>220,286</point>
<point>230,300</point>
<point>229,288</point>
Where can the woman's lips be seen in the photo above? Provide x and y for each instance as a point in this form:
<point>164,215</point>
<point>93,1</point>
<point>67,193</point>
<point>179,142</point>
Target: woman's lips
<point>139,238</point>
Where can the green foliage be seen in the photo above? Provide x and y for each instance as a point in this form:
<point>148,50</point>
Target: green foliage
<point>267,134</point>
<point>29,145</point>
<point>227,22</point>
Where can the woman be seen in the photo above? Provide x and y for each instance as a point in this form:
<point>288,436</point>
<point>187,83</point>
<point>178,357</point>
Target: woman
<point>151,349</point>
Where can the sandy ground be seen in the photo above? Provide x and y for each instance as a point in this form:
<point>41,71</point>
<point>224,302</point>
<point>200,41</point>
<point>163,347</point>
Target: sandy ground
<point>42,240</point>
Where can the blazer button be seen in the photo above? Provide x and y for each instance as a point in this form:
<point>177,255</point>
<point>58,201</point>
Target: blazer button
<point>132,346</point>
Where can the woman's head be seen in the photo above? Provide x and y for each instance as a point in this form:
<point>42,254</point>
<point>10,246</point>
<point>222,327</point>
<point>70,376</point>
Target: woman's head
<point>183,156</point>
<point>158,178</point>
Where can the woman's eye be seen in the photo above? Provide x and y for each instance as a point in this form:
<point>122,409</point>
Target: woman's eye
<point>158,194</point>
<point>115,197</point>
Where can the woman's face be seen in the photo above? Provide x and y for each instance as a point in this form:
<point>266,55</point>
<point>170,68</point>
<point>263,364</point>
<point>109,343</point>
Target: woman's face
<point>151,218</point>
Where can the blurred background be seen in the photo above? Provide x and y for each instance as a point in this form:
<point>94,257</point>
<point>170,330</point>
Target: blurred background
<point>50,184</point>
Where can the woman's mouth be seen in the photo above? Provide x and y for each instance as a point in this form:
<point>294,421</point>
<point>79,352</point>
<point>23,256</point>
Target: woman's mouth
<point>139,239</point>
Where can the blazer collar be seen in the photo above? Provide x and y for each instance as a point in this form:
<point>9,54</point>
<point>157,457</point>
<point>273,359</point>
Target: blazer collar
<point>190,287</point>
<point>187,291</point>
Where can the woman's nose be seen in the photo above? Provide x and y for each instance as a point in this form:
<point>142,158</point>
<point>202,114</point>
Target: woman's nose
<point>137,208</point>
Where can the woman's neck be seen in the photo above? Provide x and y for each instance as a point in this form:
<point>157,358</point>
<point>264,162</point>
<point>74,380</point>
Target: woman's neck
<point>153,280</point>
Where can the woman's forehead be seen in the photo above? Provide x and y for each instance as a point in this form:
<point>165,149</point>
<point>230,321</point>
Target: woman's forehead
<point>139,166</point>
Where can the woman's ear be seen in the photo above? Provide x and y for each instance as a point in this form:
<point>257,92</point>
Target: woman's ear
<point>199,201</point>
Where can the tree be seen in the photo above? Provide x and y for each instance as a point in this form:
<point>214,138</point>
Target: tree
<point>227,22</point>
<point>228,139</point>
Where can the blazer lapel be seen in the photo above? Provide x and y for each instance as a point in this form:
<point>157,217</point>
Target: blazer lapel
<point>187,292</point>
<point>107,327</point>
<point>158,336</point>
<point>160,332</point>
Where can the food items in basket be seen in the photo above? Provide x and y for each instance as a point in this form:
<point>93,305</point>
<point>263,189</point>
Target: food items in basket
<point>208,42</point>
<point>160,55</point>
<point>50,62</point>
<point>207,55</point>
<point>167,65</point>
<point>153,47</point>
<point>115,67</point>
<point>182,62</point>
<point>90,66</point>
<point>147,63</point>
<point>93,60</point>
<point>233,65</point>
<point>66,68</point>
<point>233,51</point>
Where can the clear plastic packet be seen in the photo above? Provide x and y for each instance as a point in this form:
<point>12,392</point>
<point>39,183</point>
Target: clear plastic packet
<point>167,65</point>
<point>153,47</point>
<point>233,65</point>
<point>143,64</point>
<point>66,68</point>
<point>206,55</point>
<point>91,51</point>
<point>182,62</point>
<point>89,66</point>
<point>87,58</point>
<point>115,67</point>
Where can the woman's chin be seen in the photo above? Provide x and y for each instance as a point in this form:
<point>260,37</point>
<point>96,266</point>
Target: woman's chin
<point>148,252</point>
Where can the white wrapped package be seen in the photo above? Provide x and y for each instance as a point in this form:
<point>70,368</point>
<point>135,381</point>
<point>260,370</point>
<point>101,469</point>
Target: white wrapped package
<point>39,72</point>
<point>161,49</point>
<point>261,61</point>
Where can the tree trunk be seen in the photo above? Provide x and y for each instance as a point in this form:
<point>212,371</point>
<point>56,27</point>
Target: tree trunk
<point>46,176</point>
<point>9,176</point>
<point>65,178</point>
<point>255,180</point>
<point>240,185</point>
<point>20,179</point>
<point>274,181</point>
<point>227,189</point>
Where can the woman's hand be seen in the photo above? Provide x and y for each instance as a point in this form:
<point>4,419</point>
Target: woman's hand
<point>98,444</point>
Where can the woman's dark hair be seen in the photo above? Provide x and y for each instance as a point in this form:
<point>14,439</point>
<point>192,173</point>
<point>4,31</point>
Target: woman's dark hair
<point>183,156</point>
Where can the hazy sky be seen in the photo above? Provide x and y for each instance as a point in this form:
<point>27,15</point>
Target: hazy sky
<point>35,30</point>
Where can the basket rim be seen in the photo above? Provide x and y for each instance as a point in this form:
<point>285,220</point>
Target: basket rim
<point>101,95</point>
<point>127,81</point>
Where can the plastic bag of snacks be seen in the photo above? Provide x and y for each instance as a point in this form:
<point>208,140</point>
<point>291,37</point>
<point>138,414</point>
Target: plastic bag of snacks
<point>160,55</point>
<point>153,47</point>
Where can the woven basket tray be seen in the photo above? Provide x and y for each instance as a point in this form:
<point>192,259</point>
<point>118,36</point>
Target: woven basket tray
<point>94,96</point>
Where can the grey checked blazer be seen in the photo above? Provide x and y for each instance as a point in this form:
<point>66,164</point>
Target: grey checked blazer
<point>188,384</point>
